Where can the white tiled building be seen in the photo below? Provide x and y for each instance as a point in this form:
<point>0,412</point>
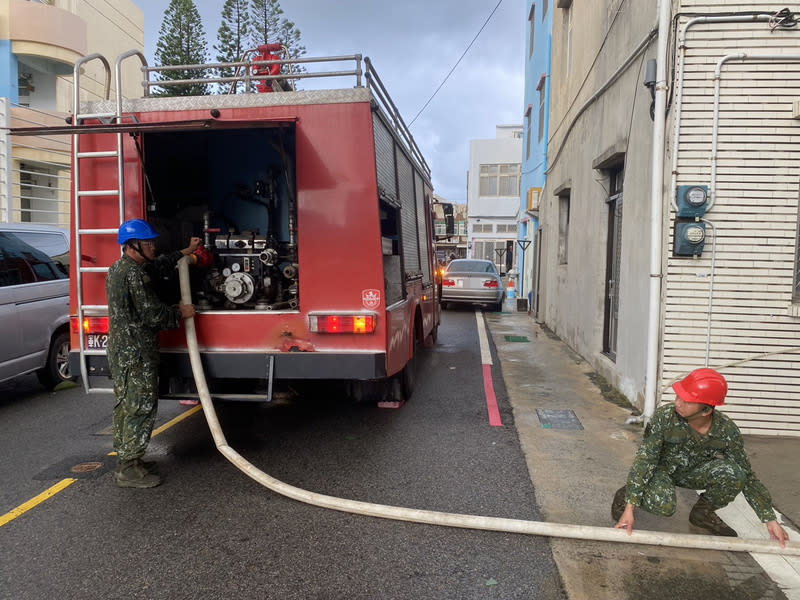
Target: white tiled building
<point>493,196</point>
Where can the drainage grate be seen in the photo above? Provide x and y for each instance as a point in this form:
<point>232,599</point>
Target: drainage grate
<point>558,419</point>
<point>516,338</point>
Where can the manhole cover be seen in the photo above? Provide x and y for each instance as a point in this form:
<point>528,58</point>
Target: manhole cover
<point>516,338</point>
<point>558,419</point>
<point>86,467</point>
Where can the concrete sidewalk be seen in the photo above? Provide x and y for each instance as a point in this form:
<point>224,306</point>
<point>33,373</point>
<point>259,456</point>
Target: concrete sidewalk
<point>577,463</point>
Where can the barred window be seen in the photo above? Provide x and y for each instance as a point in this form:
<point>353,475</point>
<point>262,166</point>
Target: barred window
<point>499,180</point>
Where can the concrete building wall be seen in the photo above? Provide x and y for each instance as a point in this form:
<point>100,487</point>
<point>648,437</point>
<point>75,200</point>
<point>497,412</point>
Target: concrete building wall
<point>735,306</point>
<point>39,45</point>
<point>599,122</point>
<point>112,28</point>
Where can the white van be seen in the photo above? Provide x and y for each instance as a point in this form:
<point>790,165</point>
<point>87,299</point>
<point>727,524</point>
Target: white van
<point>34,302</point>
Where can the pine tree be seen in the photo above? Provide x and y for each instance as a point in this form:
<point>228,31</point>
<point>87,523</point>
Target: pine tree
<point>289,36</point>
<point>266,21</point>
<point>182,41</point>
<point>270,27</point>
<point>232,36</point>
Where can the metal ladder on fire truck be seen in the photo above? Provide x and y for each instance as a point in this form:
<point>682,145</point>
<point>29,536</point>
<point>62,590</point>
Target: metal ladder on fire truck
<point>82,160</point>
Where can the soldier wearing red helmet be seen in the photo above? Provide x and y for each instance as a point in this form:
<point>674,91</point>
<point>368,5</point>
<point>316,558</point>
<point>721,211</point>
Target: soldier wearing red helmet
<point>691,445</point>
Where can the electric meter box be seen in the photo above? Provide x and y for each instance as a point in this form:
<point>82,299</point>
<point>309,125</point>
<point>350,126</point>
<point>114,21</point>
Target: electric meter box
<point>692,200</point>
<point>689,238</point>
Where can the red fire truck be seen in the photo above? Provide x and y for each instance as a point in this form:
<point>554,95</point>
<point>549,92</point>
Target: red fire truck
<point>316,205</point>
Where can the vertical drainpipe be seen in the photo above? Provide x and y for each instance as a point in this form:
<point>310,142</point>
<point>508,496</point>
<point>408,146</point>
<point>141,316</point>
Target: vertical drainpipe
<point>5,160</point>
<point>656,210</point>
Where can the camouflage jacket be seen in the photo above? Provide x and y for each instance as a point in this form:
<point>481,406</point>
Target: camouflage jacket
<point>672,445</point>
<point>136,314</point>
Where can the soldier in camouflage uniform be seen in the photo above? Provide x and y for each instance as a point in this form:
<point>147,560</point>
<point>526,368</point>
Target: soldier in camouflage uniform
<point>136,316</point>
<point>690,445</point>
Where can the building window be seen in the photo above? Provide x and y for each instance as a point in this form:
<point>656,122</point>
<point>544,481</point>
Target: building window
<point>563,227</point>
<point>531,18</point>
<point>528,132</point>
<point>483,228</point>
<point>541,89</point>
<point>499,180</point>
<point>507,228</point>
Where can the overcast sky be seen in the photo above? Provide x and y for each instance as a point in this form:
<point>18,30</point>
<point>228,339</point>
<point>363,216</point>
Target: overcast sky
<point>413,44</point>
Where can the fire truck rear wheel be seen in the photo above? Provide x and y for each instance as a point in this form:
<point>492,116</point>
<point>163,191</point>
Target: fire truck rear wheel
<point>408,376</point>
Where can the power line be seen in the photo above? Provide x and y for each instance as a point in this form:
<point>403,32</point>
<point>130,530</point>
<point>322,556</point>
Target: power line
<point>485,23</point>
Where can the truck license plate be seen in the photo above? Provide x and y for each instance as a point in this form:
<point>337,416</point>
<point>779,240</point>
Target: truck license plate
<point>97,341</point>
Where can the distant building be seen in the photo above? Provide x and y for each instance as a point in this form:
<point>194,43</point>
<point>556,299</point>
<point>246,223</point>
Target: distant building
<point>39,44</point>
<point>493,187</point>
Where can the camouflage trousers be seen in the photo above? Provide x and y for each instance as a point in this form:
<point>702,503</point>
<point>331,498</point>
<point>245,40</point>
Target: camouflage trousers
<point>722,480</point>
<point>136,392</point>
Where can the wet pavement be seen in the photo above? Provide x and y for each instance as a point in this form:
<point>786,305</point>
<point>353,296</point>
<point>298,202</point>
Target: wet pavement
<point>578,447</point>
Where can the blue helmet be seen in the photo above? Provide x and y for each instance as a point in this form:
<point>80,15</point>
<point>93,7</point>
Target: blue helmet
<point>135,229</point>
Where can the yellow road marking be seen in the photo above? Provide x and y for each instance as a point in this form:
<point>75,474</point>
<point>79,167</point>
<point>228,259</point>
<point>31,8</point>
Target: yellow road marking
<point>65,483</point>
<point>33,502</point>
<point>176,420</point>
<point>171,423</point>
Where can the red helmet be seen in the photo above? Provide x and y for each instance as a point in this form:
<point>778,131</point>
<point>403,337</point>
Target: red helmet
<point>703,386</point>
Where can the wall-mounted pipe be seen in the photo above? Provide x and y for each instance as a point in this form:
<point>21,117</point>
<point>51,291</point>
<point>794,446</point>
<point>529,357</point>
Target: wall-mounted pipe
<point>582,532</point>
<point>656,206</point>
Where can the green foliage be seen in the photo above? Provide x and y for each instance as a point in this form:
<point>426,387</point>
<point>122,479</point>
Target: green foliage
<point>232,36</point>
<point>181,41</point>
<point>266,21</point>
<point>270,26</point>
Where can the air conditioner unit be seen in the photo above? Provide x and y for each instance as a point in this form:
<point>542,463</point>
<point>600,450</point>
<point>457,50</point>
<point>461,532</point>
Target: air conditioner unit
<point>534,194</point>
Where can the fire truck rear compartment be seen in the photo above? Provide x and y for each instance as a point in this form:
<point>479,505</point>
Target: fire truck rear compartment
<point>236,189</point>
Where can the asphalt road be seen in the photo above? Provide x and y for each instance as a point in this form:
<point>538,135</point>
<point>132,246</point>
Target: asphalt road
<point>211,532</point>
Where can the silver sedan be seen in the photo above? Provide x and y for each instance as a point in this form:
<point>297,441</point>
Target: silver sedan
<point>472,281</point>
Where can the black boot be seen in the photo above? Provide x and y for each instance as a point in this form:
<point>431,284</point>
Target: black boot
<point>703,516</point>
<point>619,504</point>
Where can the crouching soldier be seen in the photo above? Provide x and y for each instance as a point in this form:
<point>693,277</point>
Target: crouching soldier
<point>690,445</point>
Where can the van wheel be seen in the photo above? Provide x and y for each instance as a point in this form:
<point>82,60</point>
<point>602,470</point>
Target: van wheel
<point>56,370</point>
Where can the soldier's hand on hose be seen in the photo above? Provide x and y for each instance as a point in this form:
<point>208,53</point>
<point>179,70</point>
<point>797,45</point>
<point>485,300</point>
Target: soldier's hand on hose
<point>776,532</point>
<point>626,520</point>
<point>187,310</point>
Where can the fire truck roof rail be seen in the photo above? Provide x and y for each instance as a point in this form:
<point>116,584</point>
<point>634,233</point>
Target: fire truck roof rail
<point>209,72</point>
<point>375,84</point>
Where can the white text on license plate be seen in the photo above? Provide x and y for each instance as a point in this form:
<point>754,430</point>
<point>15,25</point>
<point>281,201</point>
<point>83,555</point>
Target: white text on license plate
<point>97,341</point>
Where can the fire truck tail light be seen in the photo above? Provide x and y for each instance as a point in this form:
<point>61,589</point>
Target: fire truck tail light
<point>342,323</point>
<point>449,282</point>
<point>90,324</point>
<point>491,283</point>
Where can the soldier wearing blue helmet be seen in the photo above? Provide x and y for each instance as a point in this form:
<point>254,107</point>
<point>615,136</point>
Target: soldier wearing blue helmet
<point>136,315</point>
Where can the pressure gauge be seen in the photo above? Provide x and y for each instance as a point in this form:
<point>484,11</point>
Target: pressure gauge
<point>236,267</point>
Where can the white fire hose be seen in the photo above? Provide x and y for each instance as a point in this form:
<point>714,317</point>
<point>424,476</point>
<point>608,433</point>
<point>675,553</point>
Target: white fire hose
<point>582,532</point>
